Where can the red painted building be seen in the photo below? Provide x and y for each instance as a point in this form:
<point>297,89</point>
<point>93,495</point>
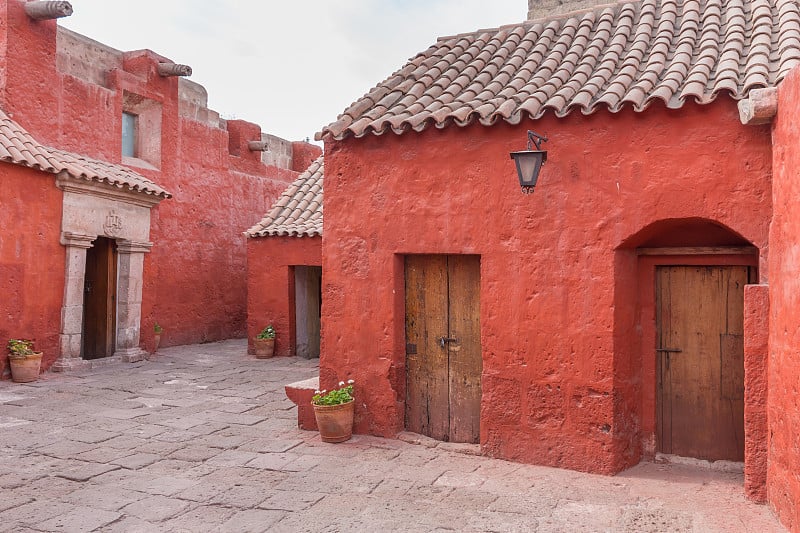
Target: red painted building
<point>94,141</point>
<point>284,267</point>
<point>642,301</point>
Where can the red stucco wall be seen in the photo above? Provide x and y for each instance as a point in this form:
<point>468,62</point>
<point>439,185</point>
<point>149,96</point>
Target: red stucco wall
<point>30,48</point>
<point>783,477</point>
<point>270,285</point>
<point>31,260</point>
<point>194,278</point>
<point>561,323</point>
<point>756,356</point>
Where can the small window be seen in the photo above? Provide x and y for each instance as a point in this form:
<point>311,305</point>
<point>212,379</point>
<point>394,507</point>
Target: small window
<point>129,134</point>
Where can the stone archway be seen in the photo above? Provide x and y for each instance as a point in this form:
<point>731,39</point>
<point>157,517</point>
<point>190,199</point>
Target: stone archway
<point>92,210</point>
<point>688,245</point>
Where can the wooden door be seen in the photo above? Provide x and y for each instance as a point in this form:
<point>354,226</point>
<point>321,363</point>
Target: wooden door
<point>100,300</point>
<point>443,347</point>
<point>699,313</point>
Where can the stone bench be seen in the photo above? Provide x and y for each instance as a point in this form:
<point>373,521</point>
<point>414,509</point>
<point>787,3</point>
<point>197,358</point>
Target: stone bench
<point>300,393</point>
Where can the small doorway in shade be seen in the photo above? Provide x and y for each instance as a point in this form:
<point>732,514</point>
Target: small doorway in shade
<point>308,307</point>
<point>100,300</point>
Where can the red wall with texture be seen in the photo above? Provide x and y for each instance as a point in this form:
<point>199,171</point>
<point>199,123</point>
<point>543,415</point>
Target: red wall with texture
<point>31,260</point>
<point>783,475</point>
<point>564,372</point>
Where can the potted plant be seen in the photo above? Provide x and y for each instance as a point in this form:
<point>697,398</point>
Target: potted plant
<point>25,361</point>
<point>334,412</point>
<point>158,330</point>
<point>264,343</point>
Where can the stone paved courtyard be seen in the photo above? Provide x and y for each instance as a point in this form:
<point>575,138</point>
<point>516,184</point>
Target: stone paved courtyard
<point>202,438</point>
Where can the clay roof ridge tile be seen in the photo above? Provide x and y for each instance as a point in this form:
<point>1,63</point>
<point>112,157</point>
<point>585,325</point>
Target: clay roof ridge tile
<point>506,108</point>
<point>16,155</point>
<point>789,39</point>
<point>582,100</point>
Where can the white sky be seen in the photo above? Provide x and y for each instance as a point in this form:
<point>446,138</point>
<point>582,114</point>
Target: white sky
<point>291,66</point>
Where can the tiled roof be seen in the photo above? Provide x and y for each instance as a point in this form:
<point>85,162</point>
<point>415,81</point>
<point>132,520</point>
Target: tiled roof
<point>629,53</point>
<point>298,212</point>
<point>17,146</point>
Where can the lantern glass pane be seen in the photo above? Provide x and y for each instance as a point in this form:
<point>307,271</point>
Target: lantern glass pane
<point>528,166</point>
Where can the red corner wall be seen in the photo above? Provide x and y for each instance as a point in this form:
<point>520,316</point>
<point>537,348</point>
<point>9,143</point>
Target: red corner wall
<point>270,285</point>
<point>561,325</point>
<point>783,475</point>
<point>31,260</point>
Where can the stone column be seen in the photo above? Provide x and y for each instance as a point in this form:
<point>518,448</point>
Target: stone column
<point>72,308</point>
<point>129,299</point>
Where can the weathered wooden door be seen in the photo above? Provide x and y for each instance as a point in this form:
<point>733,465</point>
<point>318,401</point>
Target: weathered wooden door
<point>443,347</point>
<point>100,300</point>
<point>699,313</point>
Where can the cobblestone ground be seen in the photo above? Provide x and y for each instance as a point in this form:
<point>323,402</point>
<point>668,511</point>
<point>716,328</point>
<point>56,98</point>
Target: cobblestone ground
<point>202,438</point>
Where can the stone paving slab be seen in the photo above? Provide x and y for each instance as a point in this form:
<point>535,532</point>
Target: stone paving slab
<point>202,438</point>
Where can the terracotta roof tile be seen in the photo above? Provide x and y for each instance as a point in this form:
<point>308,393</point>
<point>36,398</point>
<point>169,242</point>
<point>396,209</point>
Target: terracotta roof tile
<point>626,54</point>
<point>17,146</point>
<point>298,211</point>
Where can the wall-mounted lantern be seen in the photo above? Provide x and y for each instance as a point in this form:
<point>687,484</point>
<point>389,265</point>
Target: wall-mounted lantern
<point>529,162</point>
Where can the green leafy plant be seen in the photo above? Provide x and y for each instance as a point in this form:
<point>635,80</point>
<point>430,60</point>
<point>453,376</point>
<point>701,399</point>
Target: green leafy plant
<point>267,333</point>
<point>158,329</point>
<point>338,396</point>
<point>20,348</point>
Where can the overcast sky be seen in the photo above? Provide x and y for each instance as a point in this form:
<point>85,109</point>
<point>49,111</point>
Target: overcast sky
<point>290,66</point>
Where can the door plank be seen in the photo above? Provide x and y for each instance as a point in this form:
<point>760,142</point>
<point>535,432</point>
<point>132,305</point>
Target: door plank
<point>731,401</point>
<point>731,353</point>
<point>663,340</point>
<point>465,353</point>
<point>92,308</point>
<point>110,326</point>
<point>427,406</point>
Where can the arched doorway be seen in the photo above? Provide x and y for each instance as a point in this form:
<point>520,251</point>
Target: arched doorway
<point>691,275</point>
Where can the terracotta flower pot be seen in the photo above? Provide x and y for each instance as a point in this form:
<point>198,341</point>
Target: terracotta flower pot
<point>335,422</point>
<point>264,348</point>
<point>25,369</point>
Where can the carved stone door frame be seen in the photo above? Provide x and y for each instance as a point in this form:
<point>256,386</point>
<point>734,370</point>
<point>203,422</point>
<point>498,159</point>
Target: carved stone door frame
<point>92,210</point>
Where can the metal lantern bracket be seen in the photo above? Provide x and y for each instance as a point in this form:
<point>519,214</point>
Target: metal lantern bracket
<point>534,139</point>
